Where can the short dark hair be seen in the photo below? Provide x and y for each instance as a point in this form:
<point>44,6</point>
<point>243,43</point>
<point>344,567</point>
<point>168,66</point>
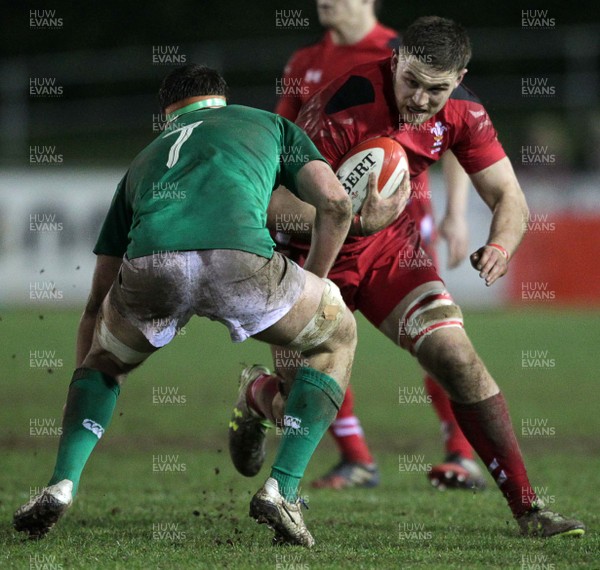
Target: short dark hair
<point>191,81</point>
<point>441,42</point>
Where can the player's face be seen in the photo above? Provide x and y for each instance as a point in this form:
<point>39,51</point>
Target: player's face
<point>333,13</point>
<point>421,90</point>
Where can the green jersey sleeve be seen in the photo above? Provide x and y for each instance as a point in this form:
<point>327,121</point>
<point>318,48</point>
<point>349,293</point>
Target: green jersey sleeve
<point>296,150</point>
<point>114,235</point>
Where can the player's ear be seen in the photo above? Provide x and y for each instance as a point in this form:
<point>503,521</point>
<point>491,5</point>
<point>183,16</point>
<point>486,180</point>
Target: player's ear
<point>460,77</point>
<point>394,61</point>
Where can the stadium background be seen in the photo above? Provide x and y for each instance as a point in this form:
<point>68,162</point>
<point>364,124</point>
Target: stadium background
<point>78,102</point>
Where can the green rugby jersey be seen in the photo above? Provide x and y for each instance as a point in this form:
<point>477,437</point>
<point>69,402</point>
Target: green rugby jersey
<point>205,183</point>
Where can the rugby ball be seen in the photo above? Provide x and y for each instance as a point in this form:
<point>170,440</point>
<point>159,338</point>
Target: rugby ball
<point>382,155</point>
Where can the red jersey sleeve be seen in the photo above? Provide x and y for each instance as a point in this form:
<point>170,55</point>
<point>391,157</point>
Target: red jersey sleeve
<point>333,135</point>
<point>340,115</point>
<point>288,105</point>
<point>476,144</point>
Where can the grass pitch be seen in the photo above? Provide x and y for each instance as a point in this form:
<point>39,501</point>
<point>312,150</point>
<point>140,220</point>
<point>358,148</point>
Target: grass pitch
<point>132,513</point>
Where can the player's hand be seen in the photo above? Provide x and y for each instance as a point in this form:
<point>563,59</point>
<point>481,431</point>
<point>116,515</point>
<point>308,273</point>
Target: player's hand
<point>378,213</point>
<point>490,262</point>
<point>456,233</point>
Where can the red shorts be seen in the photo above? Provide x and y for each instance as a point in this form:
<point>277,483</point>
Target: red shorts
<point>375,273</point>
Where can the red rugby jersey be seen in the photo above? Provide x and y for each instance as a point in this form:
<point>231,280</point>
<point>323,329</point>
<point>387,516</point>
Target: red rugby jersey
<point>360,105</point>
<point>315,66</point>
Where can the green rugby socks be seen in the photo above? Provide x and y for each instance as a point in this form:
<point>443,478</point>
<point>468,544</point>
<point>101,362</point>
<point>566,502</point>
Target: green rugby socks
<point>90,404</point>
<point>312,405</point>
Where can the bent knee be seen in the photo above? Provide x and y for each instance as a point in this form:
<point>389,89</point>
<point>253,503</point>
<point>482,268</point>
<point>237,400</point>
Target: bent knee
<point>331,320</point>
<point>448,350</point>
<point>345,334</point>
<point>107,363</point>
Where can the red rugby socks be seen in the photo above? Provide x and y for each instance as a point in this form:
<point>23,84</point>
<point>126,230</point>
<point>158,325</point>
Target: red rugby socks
<point>488,427</point>
<point>345,429</point>
<point>261,394</point>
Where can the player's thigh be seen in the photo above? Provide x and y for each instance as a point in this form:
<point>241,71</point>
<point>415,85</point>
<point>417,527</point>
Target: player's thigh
<point>145,306</point>
<point>403,295</point>
<point>389,283</point>
<point>290,325</point>
<point>117,345</point>
<point>318,320</point>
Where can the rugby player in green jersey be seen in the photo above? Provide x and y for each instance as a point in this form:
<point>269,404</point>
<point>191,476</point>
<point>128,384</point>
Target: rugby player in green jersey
<point>186,235</point>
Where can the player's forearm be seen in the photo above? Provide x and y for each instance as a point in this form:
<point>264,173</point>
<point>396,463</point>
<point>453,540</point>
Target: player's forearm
<point>329,232</point>
<point>509,221</point>
<point>318,186</point>
<point>499,188</point>
<point>291,216</point>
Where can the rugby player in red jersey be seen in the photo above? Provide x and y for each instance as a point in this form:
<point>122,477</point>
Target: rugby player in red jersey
<point>417,98</point>
<point>354,36</point>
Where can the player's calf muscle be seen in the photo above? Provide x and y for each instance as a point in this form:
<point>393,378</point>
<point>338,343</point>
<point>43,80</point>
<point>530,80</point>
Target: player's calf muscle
<point>449,356</point>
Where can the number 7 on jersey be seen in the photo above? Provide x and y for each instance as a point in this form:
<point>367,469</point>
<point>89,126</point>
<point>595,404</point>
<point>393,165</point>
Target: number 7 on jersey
<point>184,134</point>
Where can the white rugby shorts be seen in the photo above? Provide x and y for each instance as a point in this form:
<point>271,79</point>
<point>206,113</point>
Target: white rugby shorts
<point>159,293</point>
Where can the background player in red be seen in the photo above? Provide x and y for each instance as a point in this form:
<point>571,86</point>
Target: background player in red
<point>355,36</point>
<point>416,99</point>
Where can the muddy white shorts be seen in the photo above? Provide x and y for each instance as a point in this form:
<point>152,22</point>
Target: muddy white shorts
<point>159,293</point>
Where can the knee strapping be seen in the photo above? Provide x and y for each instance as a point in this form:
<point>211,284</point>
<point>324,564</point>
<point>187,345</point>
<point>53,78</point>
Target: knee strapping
<point>112,344</point>
<point>429,312</point>
<point>324,322</point>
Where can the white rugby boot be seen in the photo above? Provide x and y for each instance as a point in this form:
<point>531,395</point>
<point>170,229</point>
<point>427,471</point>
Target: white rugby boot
<point>42,512</point>
<point>285,518</point>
